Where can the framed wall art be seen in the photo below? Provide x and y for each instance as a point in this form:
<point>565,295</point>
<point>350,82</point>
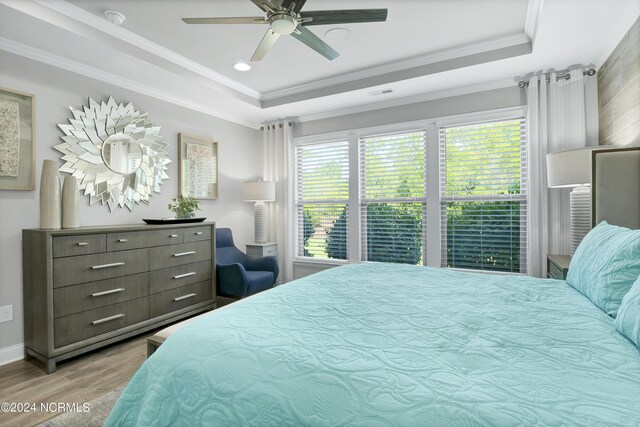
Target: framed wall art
<point>197,167</point>
<point>17,140</point>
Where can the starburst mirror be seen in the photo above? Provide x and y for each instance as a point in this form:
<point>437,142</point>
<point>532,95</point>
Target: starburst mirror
<point>115,153</point>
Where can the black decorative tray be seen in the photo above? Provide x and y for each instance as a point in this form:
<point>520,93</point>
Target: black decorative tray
<point>156,221</point>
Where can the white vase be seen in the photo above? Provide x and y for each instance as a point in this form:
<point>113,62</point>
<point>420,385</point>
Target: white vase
<point>50,208</point>
<point>70,202</point>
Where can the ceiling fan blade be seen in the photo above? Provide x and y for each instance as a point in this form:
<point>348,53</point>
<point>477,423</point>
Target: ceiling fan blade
<point>230,20</point>
<point>347,16</point>
<point>299,4</point>
<point>314,42</point>
<point>267,41</point>
<point>268,5</point>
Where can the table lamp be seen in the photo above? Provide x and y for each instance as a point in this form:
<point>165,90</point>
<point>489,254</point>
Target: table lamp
<point>259,192</point>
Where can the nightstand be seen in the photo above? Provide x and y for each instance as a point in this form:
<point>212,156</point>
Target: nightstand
<point>262,249</point>
<point>557,266</point>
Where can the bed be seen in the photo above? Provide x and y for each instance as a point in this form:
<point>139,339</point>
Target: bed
<point>437,348</point>
<point>445,348</point>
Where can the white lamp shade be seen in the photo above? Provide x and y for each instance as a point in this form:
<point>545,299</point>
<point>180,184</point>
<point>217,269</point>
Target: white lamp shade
<point>259,191</point>
<point>570,168</point>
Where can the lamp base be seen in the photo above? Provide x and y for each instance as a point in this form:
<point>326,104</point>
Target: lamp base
<point>260,227</point>
<point>580,206</point>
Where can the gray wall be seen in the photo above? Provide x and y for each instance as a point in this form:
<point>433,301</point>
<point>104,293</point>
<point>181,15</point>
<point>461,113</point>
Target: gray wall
<point>619,92</point>
<point>240,156</point>
<point>461,104</point>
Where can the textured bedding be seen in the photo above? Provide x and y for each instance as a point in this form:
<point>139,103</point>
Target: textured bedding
<point>393,345</point>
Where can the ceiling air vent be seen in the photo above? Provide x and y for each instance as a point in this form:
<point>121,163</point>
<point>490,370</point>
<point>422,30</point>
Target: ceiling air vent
<point>381,92</point>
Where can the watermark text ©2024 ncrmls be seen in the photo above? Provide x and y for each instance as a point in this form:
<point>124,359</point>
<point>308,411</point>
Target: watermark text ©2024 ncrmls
<point>53,407</point>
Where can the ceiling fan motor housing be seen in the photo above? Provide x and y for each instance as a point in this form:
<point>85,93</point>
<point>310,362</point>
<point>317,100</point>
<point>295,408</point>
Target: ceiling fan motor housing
<point>283,23</point>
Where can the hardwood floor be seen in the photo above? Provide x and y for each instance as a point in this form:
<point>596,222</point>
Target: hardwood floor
<point>77,380</point>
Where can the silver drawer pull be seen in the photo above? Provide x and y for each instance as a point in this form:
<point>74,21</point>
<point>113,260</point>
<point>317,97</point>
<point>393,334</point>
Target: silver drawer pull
<point>113,264</point>
<point>82,243</point>
<point>180,276</point>
<point>184,297</point>
<point>122,240</point>
<point>185,253</point>
<point>112,291</point>
<point>199,233</point>
<point>173,235</point>
<point>107,319</point>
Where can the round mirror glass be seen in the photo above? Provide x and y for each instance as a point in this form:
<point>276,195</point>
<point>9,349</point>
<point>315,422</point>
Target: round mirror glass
<point>121,153</point>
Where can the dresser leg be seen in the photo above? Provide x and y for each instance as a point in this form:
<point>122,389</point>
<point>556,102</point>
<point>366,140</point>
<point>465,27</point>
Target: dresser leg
<point>50,366</point>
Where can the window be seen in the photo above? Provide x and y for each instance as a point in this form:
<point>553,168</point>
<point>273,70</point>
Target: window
<point>458,190</point>
<point>483,196</point>
<point>392,197</point>
<point>322,195</point>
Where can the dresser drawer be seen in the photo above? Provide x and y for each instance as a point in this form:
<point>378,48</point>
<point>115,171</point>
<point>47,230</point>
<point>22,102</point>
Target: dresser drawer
<point>169,256</point>
<point>169,236</point>
<point>124,241</point>
<point>90,268</point>
<point>78,327</point>
<point>89,296</point>
<point>174,277</point>
<point>78,245</point>
<point>176,299</point>
<point>197,234</point>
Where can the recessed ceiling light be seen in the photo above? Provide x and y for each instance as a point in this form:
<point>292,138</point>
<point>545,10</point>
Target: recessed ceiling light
<point>114,17</point>
<point>338,34</point>
<point>242,66</point>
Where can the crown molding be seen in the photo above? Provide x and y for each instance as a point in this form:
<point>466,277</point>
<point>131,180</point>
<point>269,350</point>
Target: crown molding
<point>534,10</point>
<point>397,102</point>
<point>420,61</point>
<point>82,16</point>
<point>98,74</point>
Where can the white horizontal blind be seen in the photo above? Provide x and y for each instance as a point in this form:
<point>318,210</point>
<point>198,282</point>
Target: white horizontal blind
<point>393,197</point>
<point>483,195</point>
<point>321,197</point>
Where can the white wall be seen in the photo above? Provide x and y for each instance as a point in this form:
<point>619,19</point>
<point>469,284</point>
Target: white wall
<point>240,159</point>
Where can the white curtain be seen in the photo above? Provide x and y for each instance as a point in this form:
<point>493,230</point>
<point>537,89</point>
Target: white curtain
<point>557,120</point>
<point>277,148</point>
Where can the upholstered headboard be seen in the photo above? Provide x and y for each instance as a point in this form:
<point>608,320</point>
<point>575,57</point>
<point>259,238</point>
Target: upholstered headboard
<point>615,187</point>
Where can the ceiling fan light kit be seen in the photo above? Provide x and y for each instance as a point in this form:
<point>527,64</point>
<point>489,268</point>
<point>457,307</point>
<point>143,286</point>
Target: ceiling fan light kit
<point>286,18</point>
<point>283,24</point>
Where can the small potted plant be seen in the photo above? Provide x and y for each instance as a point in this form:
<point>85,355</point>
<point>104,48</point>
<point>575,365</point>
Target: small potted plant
<point>184,206</point>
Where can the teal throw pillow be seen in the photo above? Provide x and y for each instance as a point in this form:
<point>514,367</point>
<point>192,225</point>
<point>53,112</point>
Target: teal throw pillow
<point>605,265</point>
<point>628,320</point>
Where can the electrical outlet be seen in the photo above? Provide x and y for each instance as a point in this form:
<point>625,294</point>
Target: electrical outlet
<point>6,313</point>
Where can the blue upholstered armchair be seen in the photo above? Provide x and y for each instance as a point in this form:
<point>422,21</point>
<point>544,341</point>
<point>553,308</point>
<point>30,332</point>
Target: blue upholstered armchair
<point>239,275</point>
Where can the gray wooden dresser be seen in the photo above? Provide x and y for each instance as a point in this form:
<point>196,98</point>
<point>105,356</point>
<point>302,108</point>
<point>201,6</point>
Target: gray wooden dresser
<point>88,287</point>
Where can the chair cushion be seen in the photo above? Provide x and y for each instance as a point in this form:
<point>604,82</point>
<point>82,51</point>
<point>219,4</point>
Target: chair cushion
<point>259,281</point>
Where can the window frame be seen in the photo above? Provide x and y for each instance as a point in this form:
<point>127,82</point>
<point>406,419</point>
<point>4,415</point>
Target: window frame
<point>432,229</point>
<point>522,197</point>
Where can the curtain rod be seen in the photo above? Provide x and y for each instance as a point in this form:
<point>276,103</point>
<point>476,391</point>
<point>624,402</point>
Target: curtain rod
<point>291,123</point>
<point>564,76</point>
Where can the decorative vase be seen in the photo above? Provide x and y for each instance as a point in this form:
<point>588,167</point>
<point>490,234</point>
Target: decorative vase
<point>50,209</point>
<point>70,202</point>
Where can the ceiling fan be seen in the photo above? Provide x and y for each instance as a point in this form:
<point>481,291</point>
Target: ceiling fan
<point>285,17</point>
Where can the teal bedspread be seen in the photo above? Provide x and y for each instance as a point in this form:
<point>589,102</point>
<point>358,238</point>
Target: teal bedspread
<point>393,345</point>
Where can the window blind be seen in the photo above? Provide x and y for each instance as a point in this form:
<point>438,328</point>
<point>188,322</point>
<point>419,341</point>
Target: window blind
<point>321,196</point>
<point>393,197</point>
<point>483,195</point>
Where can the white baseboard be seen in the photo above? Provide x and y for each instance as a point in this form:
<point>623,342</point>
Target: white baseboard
<point>11,354</point>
